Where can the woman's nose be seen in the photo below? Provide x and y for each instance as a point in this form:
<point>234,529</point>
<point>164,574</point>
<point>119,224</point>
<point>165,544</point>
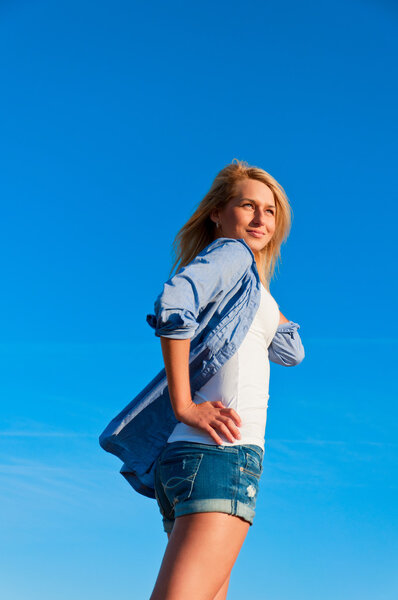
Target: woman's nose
<point>259,217</point>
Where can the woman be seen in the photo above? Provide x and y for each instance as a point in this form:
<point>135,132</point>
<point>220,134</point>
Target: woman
<point>194,437</point>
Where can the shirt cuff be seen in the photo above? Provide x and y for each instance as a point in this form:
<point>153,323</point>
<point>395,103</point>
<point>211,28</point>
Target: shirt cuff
<point>175,324</point>
<point>287,327</point>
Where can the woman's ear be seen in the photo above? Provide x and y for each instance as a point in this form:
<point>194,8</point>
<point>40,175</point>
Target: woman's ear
<point>214,215</point>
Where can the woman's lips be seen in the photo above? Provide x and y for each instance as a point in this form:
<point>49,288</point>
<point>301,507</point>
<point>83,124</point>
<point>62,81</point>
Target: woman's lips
<point>256,234</point>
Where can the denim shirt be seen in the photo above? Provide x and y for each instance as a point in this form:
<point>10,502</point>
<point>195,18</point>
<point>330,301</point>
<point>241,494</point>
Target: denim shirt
<point>212,301</point>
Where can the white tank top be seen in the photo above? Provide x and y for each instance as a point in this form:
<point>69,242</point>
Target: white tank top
<point>242,383</point>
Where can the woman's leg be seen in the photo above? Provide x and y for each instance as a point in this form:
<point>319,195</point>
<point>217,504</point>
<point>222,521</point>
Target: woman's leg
<point>222,592</point>
<point>199,556</point>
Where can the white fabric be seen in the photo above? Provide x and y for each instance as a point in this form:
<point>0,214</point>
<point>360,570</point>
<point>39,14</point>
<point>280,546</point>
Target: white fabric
<point>242,383</point>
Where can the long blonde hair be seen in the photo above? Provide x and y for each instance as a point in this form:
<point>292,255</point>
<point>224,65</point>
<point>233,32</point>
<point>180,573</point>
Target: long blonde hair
<point>199,231</point>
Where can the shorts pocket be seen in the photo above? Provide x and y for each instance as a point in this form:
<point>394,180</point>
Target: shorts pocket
<point>178,475</point>
<point>253,465</point>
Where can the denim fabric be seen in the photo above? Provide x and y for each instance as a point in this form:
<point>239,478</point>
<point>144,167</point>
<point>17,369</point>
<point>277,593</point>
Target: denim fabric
<point>192,477</point>
<point>212,301</point>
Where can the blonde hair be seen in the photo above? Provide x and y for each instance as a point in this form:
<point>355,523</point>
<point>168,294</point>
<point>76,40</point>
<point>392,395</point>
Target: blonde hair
<point>199,231</point>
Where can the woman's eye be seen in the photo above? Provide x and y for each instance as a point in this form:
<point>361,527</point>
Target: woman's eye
<point>269,210</point>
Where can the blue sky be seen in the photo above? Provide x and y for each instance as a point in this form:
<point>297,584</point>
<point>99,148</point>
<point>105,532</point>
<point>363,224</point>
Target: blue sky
<point>116,116</point>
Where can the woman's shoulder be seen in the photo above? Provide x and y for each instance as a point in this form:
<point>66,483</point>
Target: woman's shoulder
<point>229,248</point>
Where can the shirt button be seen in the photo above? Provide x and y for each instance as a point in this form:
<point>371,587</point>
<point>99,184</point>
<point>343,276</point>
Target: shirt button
<point>241,468</point>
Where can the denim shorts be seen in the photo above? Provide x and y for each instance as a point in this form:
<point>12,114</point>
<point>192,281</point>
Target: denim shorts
<point>192,477</point>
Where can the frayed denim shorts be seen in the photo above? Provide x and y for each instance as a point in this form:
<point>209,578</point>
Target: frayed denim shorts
<point>192,477</point>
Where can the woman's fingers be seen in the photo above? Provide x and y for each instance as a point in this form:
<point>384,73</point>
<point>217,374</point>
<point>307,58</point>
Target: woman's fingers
<point>214,418</point>
<point>229,411</point>
<point>229,434</point>
<point>217,404</point>
<point>214,435</point>
<point>233,414</point>
<point>228,422</point>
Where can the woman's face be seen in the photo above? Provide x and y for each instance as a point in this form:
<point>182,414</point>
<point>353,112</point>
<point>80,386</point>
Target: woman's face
<point>249,215</point>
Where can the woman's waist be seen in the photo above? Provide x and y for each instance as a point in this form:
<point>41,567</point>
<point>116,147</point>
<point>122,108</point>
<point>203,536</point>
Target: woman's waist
<point>251,432</point>
<point>253,443</point>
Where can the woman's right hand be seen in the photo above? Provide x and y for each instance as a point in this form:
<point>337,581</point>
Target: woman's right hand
<point>213,418</point>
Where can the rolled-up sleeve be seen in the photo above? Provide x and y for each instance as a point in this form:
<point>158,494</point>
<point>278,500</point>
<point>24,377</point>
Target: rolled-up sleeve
<point>197,284</point>
<point>286,347</point>
<point>177,323</point>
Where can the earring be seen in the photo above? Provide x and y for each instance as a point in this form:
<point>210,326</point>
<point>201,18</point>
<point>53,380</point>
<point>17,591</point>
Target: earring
<point>218,224</point>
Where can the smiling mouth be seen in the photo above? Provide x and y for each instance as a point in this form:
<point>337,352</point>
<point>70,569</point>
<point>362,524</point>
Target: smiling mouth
<point>257,234</point>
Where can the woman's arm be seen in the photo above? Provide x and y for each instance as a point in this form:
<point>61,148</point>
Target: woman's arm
<point>282,319</point>
<point>211,417</point>
<point>176,362</point>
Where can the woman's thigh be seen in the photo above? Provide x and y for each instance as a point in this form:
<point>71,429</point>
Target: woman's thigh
<point>199,556</point>
<point>223,591</point>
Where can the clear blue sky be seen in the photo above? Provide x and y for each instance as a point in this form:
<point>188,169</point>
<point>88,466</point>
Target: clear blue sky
<point>115,118</point>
